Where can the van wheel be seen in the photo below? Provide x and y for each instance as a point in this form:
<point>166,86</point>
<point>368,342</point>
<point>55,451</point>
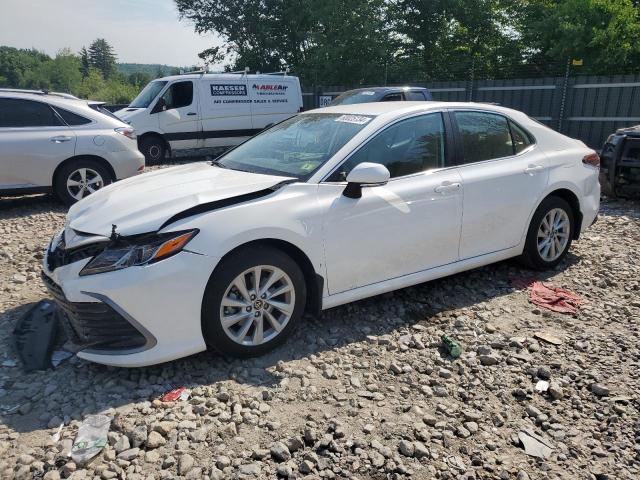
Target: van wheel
<point>80,178</point>
<point>550,234</point>
<point>153,148</point>
<point>253,302</point>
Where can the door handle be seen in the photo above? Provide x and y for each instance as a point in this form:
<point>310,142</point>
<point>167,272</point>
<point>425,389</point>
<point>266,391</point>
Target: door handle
<point>191,113</point>
<point>60,139</point>
<point>447,187</point>
<point>533,169</point>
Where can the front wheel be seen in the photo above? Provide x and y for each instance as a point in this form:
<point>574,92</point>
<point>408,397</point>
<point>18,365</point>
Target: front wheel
<point>550,234</point>
<point>253,302</point>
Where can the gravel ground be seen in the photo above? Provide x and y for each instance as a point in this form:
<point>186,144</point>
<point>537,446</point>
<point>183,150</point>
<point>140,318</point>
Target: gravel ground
<point>363,391</point>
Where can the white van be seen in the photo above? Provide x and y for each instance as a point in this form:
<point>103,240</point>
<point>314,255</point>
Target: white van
<point>209,110</point>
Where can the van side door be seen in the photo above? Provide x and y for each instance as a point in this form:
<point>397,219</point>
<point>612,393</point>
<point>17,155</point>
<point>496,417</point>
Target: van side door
<point>178,115</point>
<point>226,111</point>
<point>273,99</point>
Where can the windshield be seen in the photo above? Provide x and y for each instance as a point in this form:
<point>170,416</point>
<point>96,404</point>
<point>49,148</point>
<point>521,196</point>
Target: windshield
<point>296,147</point>
<point>147,95</point>
<point>358,96</point>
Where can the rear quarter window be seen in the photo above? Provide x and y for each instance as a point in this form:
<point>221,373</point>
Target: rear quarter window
<point>415,96</point>
<point>70,118</point>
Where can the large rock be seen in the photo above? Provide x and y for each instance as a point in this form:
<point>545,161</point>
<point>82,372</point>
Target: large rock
<point>155,440</point>
<point>280,452</point>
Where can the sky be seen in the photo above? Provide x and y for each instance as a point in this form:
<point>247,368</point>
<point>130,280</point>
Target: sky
<point>141,31</point>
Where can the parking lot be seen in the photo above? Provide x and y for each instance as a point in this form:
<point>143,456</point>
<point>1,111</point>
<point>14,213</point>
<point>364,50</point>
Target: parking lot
<point>364,390</point>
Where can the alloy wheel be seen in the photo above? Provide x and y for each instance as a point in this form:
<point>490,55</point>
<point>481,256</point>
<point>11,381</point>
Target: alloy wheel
<point>83,182</point>
<point>553,234</point>
<point>257,305</point>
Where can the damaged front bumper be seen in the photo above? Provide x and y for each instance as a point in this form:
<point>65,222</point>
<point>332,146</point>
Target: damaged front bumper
<point>137,316</point>
<point>99,327</point>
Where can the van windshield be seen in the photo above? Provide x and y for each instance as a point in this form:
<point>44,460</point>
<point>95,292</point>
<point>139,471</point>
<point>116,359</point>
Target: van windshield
<point>296,147</point>
<point>148,94</point>
<point>357,96</point>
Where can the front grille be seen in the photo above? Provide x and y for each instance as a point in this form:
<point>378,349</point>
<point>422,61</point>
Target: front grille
<point>94,325</point>
<point>59,256</point>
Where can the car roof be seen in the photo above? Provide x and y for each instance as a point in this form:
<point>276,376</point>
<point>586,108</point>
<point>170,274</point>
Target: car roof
<point>224,76</point>
<point>53,98</point>
<point>629,131</point>
<point>385,89</point>
<point>401,108</point>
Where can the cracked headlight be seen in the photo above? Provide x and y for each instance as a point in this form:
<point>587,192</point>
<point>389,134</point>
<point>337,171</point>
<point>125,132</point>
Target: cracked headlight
<point>142,251</point>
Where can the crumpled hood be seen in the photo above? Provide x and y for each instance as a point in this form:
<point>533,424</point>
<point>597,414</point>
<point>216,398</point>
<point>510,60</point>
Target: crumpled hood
<point>142,204</point>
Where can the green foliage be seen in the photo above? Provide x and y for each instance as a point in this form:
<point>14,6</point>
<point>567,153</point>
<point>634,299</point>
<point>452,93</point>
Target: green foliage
<point>605,34</point>
<point>101,57</point>
<point>85,64</point>
<point>68,73</point>
<point>360,42</point>
<point>153,70</point>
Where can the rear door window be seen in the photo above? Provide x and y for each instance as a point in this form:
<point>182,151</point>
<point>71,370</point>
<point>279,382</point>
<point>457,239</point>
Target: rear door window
<point>484,136</point>
<point>18,113</point>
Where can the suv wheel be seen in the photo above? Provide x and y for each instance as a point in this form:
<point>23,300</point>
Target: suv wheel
<point>253,302</point>
<point>550,234</point>
<point>80,178</point>
<point>154,149</point>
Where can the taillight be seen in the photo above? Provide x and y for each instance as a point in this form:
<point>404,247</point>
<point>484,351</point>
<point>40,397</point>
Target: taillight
<point>592,159</point>
<point>127,132</point>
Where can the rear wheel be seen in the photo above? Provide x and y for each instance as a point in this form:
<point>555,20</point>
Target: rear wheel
<point>550,234</point>
<point>253,302</point>
<point>153,148</point>
<point>80,178</point>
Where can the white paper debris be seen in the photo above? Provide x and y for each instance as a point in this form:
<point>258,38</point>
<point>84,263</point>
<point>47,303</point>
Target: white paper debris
<point>542,386</point>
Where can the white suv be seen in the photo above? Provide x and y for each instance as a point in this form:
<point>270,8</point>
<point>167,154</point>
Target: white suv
<point>49,142</point>
<point>322,209</point>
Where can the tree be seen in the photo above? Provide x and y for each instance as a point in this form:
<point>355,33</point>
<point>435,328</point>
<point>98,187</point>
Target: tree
<point>330,41</point>
<point>85,64</point>
<point>603,33</point>
<point>101,57</point>
<point>453,39</point>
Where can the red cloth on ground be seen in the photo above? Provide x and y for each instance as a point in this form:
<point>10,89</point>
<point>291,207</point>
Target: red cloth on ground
<point>554,298</point>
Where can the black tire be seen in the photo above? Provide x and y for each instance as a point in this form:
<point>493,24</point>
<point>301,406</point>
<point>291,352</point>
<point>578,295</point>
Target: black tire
<point>221,279</point>
<point>68,172</point>
<point>153,148</point>
<point>531,257</point>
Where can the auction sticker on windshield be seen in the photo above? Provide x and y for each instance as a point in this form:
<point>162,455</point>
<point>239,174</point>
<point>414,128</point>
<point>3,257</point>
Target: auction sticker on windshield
<point>357,119</point>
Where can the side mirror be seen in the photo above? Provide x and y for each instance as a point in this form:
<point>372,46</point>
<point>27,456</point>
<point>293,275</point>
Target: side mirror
<point>161,106</point>
<point>365,174</point>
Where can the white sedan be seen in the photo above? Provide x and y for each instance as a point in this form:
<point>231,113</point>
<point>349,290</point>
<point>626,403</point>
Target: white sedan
<point>325,208</point>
